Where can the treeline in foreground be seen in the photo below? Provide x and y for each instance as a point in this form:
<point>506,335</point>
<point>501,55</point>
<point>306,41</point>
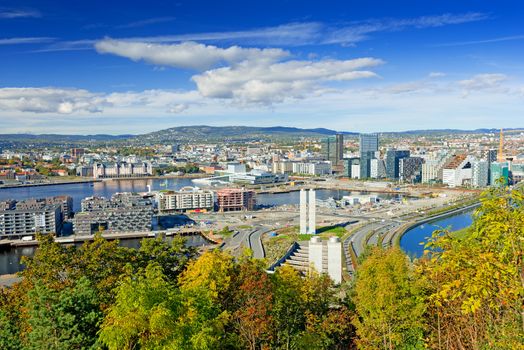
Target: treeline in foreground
<point>467,294</point>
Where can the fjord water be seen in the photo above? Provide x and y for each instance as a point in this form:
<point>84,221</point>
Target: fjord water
<point>412,242</point>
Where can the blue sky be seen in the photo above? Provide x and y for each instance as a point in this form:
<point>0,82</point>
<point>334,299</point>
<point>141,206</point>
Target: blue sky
<point>132,66</point>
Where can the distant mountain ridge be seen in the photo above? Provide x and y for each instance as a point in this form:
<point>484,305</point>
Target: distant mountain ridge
<point>205,132</point>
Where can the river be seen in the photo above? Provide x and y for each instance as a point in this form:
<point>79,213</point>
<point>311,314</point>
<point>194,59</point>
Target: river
<point>412,242</point>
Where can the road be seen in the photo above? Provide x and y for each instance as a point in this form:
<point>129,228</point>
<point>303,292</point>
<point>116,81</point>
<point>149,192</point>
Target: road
<point>255,242</point>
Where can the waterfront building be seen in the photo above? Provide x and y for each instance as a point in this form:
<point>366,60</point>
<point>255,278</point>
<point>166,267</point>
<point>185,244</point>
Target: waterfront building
<point>393,157</point>
<point>308,208</point>
<point>124,212</point>
<point>480,173</point>
<point>499,172</point>
<point>235,199</point>
<point>122,169</point>
<point>517,172</point>
<point>257,177</point>
<point>85,171</point>
<point>333,149</point>
<point>410,169</point>
<point>187,199</point>
<point>368,149</point>
<point>20,220</point>
<point>312,168</point>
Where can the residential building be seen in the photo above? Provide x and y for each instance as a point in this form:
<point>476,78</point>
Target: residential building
<point>124,212</point>
<point>122,169</point>
<point>235,199</point>
<point>17,221</point>
<point>187,199</point>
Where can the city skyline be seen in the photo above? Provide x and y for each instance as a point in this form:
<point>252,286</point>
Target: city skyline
<point>83,69</point>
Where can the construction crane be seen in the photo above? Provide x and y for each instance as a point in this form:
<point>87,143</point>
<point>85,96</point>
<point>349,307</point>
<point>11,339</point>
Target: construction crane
<point>500,155</point>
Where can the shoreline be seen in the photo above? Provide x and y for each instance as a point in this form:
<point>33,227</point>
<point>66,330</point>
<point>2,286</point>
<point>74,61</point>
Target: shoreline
<point>87,180</point>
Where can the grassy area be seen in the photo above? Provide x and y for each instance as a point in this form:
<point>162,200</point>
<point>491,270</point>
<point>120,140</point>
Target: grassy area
<point>225,232</point>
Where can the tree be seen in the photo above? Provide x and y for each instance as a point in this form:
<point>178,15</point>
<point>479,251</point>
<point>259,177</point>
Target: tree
<point>478,279</point>
<point>205,288</point>
<point>61,320</point>
<point>253,304</point>
<point>389,302</point>
<point>288,307</point>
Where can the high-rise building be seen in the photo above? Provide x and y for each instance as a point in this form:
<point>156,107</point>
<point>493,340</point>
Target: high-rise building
<point>368,149</point>
<point>333,149</point>
<point>480,173</point>
<point>410,169</point>
<point>393,157</point>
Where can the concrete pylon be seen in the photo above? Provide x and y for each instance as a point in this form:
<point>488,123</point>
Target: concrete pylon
<point>303,212</point>
<point>312,227</point>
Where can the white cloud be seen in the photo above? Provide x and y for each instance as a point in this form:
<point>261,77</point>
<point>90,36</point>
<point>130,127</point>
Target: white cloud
<point>30,40</point>
<point>492,81</point>
<point>436,75</point>
<point>10,14</point>
<point>186,55</point>
<point>49,100</point>
<point>267,83</point>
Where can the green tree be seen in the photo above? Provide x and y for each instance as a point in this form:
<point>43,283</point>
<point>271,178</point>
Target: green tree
<point>144,314</point>
<point>389,302</point>
<point>65,319</point>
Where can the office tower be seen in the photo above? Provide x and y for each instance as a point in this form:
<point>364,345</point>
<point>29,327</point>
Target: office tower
<point>499,174</point>
<point>480,173</point>
<point>410,169</point>
<point>307,212</point>
<point>368,147</point>
<point>377,169</point>
<point>393,157</point>
<point>333,149</point>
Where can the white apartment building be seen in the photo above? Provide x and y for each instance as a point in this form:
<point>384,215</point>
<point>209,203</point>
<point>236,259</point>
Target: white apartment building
<point>458,171</point>
<point>312,168</point>
<point>480,173</point>
<point>188,198</point>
